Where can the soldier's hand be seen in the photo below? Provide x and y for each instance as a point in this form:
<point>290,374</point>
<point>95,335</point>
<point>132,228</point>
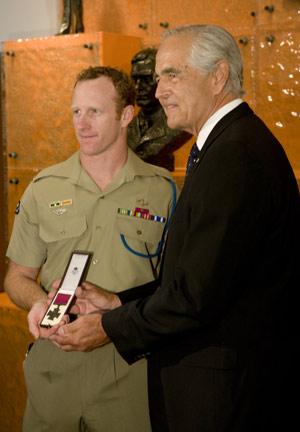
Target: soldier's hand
<point>37,313</point>
<point>55,286</point>
<point>35,316</point>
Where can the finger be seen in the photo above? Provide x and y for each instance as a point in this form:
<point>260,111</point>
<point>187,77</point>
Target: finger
<point>50,296</point>
<point>79,291</point>
<point>63,332</point>
<point>57,339</point>
<point>56,284</point>
<point>75,309</point>
<point>65,320</point>
<point>55,343</point>
<point>68,348</point>
<point>64,342</point>
<point>55,329</point>
<point>34,329</point>
<point>46,333</point>
<point>34,316</point>
<point>87,286</point>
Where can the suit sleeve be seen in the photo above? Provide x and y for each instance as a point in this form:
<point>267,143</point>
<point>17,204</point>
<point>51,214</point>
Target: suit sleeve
<point>138,292</point>
<point>211,250</point>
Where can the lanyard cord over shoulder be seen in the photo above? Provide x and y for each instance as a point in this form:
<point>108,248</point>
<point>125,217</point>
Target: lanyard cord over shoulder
<point>160,245</point>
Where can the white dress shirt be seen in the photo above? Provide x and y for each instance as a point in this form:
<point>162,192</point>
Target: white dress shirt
<point>214,119</point>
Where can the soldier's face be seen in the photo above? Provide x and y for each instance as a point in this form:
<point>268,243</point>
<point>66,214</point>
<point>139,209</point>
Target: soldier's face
<point>97,124</point>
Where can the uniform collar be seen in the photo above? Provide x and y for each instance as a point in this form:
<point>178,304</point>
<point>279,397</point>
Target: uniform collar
<point>133,167</point>
<point>70,168</point>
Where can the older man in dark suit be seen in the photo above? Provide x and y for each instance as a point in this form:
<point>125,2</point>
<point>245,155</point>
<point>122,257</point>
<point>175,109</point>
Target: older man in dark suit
<point>215,326</point>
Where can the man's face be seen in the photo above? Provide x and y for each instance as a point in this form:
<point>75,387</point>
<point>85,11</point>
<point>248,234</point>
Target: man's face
<point>96,122</point>
<point>185,93</point>
<point>145,85</point>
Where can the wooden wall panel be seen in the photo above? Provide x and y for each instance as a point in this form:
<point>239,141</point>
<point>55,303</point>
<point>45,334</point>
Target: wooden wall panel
<point>254,20</point>
<point>278,87</point>
<point>39,76</point>
<point>278,14</point>
<point>147,18</point>
<point>39,79</point>
<point>3,206</point>
<point>131,17</point>
<point>247,44</point>
<point>228,13</point>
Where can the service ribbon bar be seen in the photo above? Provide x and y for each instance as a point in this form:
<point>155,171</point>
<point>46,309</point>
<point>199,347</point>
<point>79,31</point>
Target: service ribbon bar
<point>62,203</point>
<point>141,213</point>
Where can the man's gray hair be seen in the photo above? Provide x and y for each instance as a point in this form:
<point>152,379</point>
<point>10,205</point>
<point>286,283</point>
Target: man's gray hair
<point>211,44</point>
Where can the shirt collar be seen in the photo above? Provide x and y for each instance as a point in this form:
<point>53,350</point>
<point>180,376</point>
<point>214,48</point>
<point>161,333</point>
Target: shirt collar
<point>72,169</point>
<point>214,119</point>
<point>132,167</point>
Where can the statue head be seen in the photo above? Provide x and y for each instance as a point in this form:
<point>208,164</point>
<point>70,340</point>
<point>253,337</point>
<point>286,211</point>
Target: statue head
<point>142,73</point>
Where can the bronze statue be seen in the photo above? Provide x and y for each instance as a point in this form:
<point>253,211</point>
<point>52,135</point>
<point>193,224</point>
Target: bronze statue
<point>72,10</point>
<point>148,133</point>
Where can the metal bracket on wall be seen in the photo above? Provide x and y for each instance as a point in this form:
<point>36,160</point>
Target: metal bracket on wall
<point>244,40</point>
<point>164,24</point>
<point>270,39</point>
<point>270,8</point>
<point>14,181</point>
<point>143,26</point>
<point>89,46</point>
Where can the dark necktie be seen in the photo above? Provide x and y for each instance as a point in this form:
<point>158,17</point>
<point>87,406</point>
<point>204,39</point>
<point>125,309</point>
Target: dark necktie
<point>192,158</point>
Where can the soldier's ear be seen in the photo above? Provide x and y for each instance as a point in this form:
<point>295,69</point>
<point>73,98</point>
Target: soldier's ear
<point>127,115</point>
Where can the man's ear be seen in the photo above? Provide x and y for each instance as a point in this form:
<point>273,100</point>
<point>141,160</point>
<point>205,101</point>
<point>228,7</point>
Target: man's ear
<point>127,115</point>
<point>220,76</point>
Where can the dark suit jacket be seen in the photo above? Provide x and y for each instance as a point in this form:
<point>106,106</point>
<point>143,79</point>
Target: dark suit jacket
<point>216,329</point>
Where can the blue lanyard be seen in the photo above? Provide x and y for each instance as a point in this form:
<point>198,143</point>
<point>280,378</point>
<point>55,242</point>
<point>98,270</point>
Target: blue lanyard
<point>162,241</point>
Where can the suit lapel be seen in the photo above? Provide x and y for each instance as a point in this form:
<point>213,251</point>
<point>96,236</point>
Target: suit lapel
<point>240,111</point>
